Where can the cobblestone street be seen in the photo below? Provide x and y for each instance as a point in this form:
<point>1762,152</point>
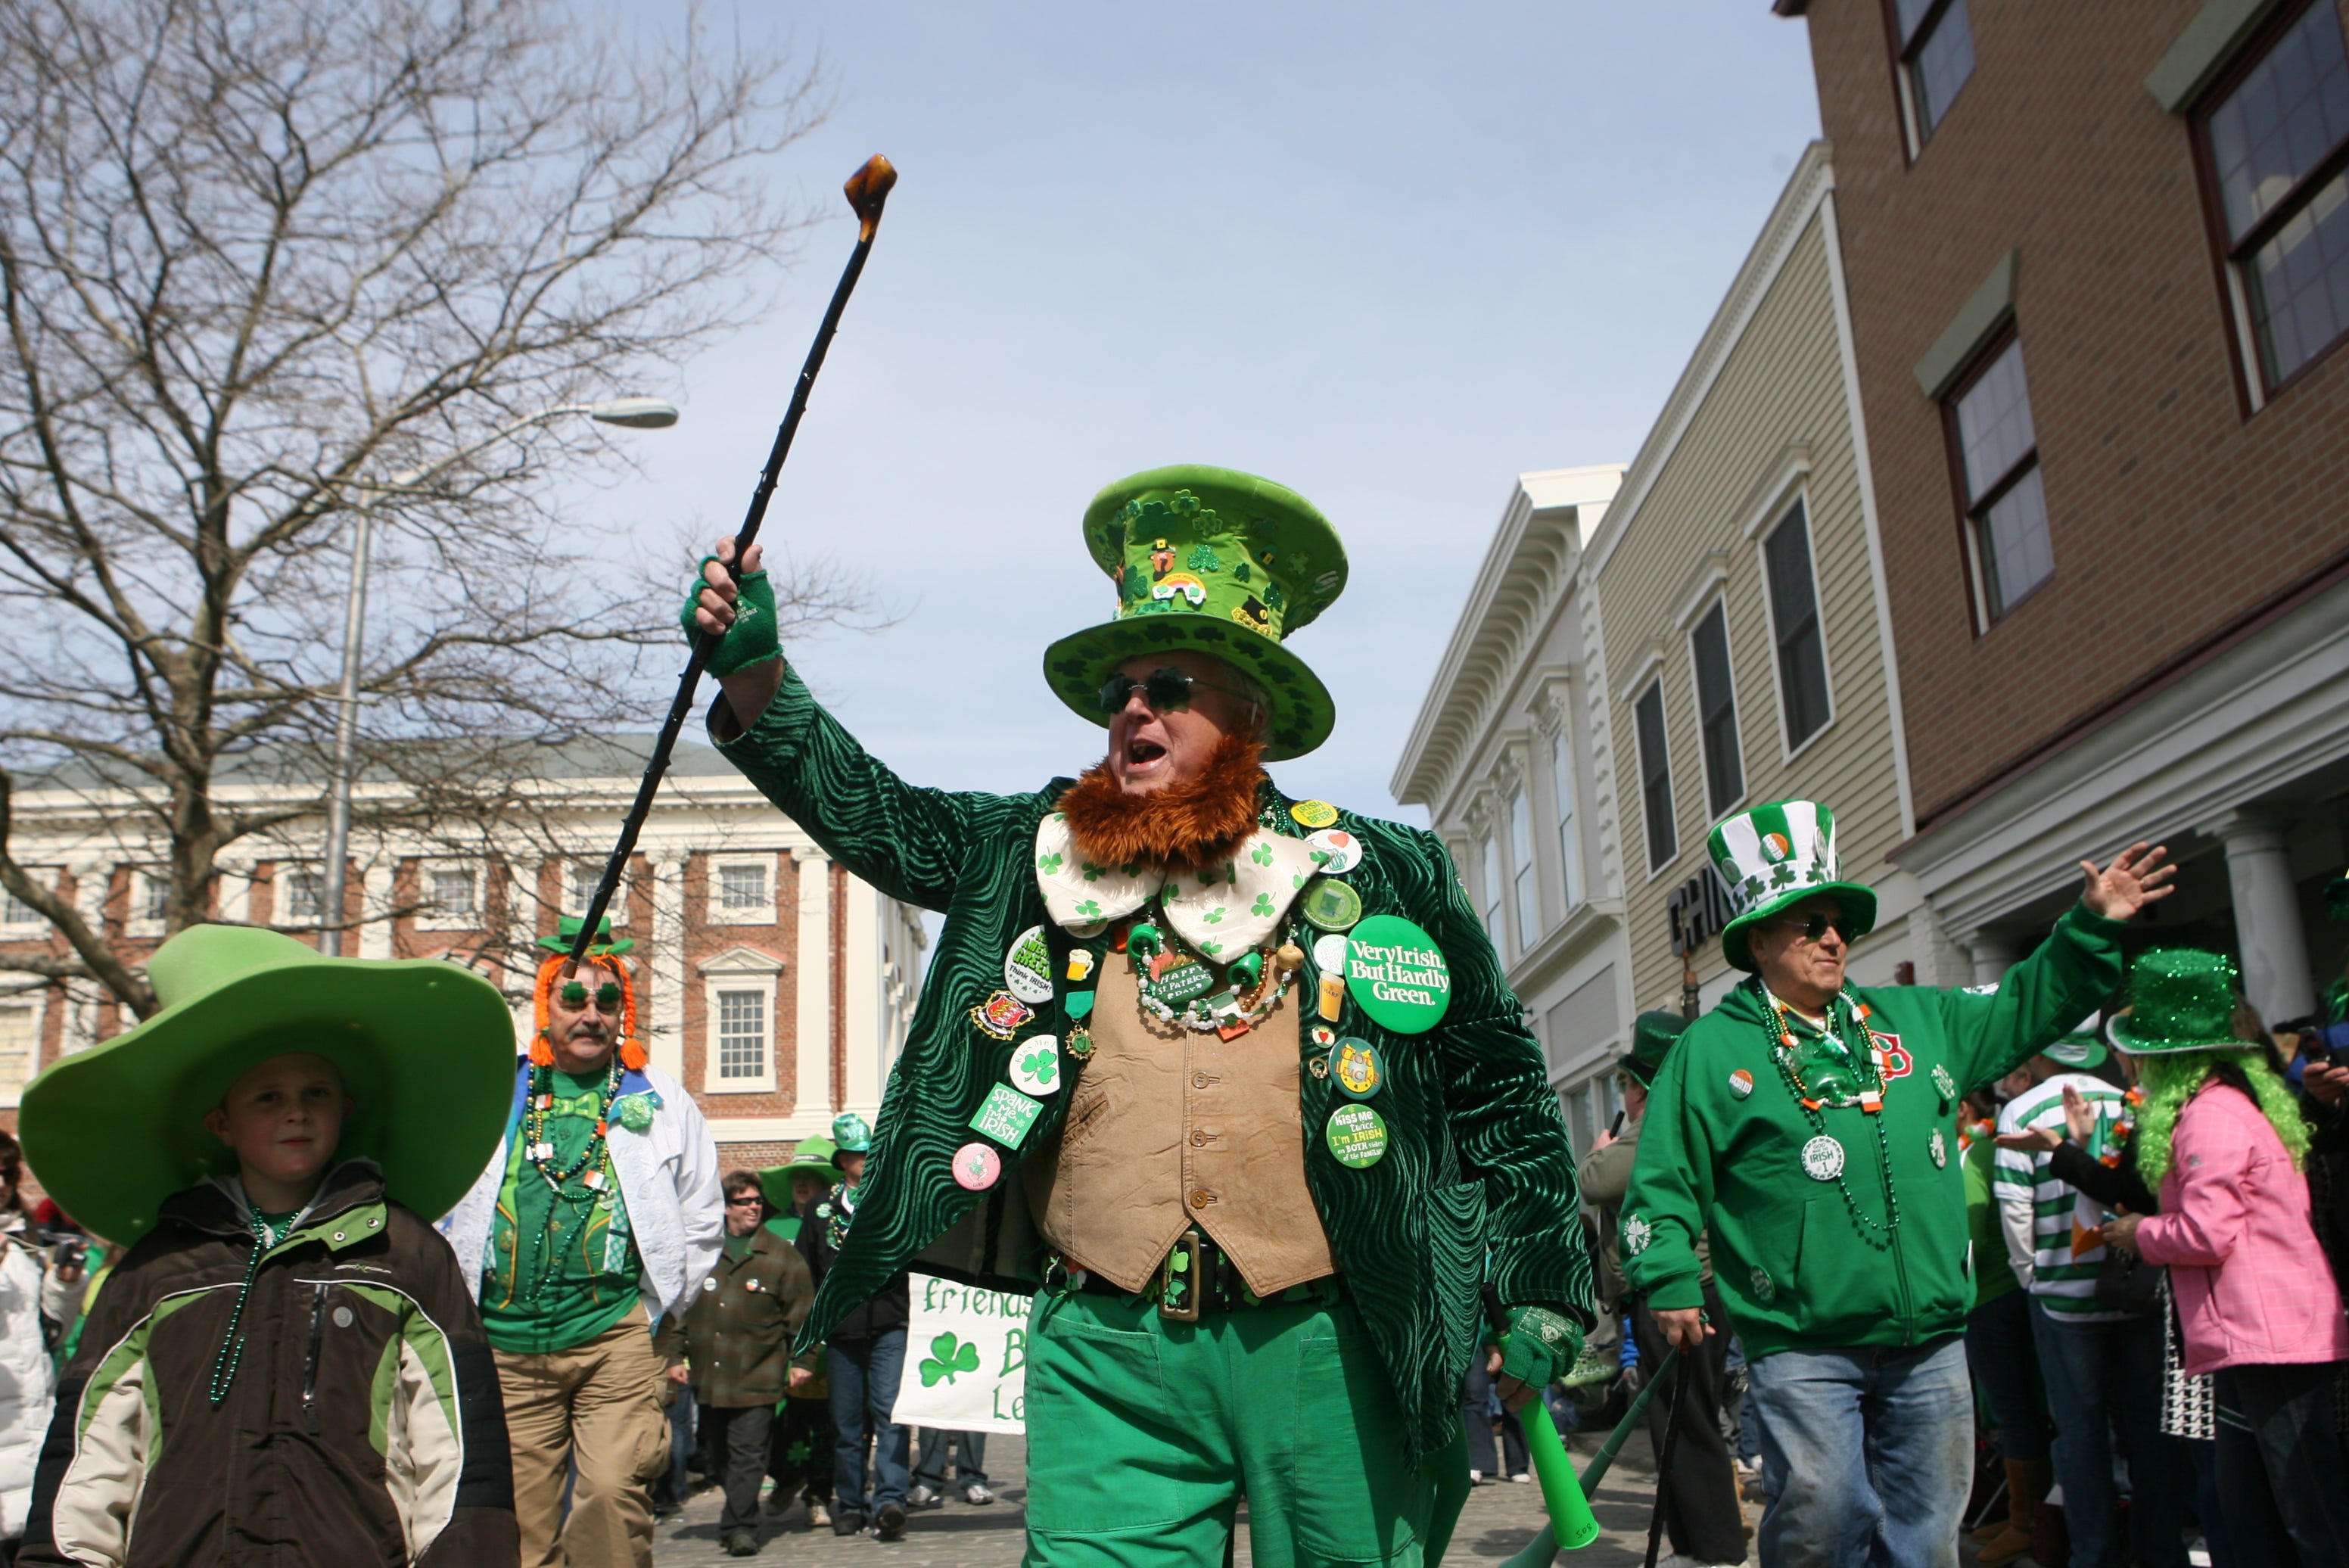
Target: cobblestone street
<point>1497,1521</point>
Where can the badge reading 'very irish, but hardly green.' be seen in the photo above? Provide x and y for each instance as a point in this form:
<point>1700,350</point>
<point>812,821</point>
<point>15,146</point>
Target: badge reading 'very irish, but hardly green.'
<point>1397,975</point>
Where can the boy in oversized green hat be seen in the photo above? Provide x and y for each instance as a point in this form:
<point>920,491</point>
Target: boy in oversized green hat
<point>1809,1129</point>
<point>286,1363</point>
<point>1230,1074</point>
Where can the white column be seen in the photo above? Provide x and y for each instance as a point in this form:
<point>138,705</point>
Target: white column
<point>811,985</point>
<point>2267,917</point>
<point>667,1043</point>
<point>372,939</point>
<point>91,881</point>
<point>234,894</point>
<point>1993,955</point>
<point>860,956</point>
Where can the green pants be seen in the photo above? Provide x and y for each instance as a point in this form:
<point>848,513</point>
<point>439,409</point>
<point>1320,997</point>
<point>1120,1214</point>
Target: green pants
<point>1142,1436</point>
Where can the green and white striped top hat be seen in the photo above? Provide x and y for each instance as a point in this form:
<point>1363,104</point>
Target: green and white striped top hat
<point>1775,855</point>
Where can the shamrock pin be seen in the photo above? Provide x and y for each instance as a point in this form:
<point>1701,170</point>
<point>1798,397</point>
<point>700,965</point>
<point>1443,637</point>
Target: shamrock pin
<point>1042,1064</point>
<point>1262,908</point>
<point>1090,909</point>
<point>946,1359</point>
<point>1261,854</point>
<point>1049,864</point>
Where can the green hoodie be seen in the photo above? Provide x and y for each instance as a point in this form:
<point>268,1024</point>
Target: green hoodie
<point>1721,1150</point>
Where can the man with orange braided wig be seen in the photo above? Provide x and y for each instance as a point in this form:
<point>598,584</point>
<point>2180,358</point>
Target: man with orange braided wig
<point>600,1213</point>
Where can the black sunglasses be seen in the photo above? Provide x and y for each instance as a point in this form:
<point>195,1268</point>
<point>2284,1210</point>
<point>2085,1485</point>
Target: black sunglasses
<point>1817,925</point>
<point>1166,691</point>
<point>607,995</point>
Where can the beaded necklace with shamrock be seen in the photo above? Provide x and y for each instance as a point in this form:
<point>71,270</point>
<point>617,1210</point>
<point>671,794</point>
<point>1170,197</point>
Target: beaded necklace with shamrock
<point>1844,1013</point>
<point>232,1346</point>
<point>1255,982</point>
<point>539,1149</point>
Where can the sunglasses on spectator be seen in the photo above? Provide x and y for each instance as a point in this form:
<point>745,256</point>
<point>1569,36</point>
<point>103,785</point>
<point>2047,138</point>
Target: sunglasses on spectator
<point>607,995</point>
<point>1166,691</point>
<point>1816,926</point>
<point>741,1199</point>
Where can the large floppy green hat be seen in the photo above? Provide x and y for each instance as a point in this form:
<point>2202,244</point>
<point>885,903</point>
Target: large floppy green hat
<point>811,1158</point>
<point>1220,563</point>
<point>1653,1038</point>
<point>1776,855</point>
<point>426,1048</point>
<point>2180,999</point>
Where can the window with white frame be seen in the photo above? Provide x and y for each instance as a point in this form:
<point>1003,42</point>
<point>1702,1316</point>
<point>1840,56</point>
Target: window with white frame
<point>17,918</point>
<point>1521,864</point>
<point>741,996</point>
<point>1934,42</point>
<point>301,895</point>
<point>1801,643</point>
<point>453,892</point>
<point>1655,777</point>
<point>2006,509</point>
<point>742,891</point>
<point>1716,711</point>
<point>16,1049</point>
<point>1569,842</point>
<point>2275,149</point>
<point>449,897</point>
<point>1488,852</point>
<point>150,896</point>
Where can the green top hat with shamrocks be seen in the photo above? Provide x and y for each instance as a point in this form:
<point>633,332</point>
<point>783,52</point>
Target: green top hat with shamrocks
<point>426,1048</point>
<point>1216,561</point>
<point>1776,855</point>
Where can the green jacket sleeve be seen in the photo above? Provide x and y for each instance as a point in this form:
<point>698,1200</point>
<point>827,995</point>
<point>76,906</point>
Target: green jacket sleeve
<point>1669,1199</point>
<point>911,843</point>
<point>2073,973</point>
<point>1504,1118</point>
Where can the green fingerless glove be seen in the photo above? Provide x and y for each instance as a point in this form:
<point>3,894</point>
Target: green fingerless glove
<point>753,639</point>
<point>1542,1345</point>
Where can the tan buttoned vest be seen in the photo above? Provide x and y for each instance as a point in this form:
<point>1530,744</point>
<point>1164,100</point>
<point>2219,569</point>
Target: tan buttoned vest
<point>1169,1128</point>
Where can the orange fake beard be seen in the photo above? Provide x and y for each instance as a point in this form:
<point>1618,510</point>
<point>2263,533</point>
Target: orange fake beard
<point>1196,821</point>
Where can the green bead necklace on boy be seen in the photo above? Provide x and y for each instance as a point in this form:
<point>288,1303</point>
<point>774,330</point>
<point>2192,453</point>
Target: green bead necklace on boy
<point>1433,1155</point>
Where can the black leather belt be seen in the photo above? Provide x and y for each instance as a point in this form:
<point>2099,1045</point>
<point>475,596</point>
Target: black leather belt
<point>1196,1276</point>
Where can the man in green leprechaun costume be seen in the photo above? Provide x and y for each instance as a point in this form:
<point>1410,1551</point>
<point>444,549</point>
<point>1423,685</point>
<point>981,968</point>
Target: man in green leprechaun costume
<point>1810,1131</point>
<point>1230,1079</point>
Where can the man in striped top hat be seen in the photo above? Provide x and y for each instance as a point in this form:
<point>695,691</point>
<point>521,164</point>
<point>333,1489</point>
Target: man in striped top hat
<point>1809,1131</point>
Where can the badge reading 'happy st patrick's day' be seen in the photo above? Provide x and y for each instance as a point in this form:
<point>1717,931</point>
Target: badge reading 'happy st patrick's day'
<point>1397,975</point>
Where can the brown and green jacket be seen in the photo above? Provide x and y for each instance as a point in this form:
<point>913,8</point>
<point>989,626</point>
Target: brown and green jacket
<point>363,1424</point>
<point>736,1338</point>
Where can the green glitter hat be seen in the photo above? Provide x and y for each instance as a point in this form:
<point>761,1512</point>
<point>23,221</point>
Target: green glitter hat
<point>1220,563</point>
<point>1652,1035</point>
<point>851,1133</point>
<point>1775,855</point>
<point>426,1048</point>
<point>2180,999</point>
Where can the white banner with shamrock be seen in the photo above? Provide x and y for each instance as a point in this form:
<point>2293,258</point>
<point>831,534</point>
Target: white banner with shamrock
<point>965,1359</point>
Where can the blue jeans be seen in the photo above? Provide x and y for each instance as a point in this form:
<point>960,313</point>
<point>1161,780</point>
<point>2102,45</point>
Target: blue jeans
<point>1998,1349</point>
<point>970,1459</point>
<point>863,1374</point>
<point>1866,1455</point>
<point>1478,1408</point>
<point>2100,1376</point>
<point>675,1487</point>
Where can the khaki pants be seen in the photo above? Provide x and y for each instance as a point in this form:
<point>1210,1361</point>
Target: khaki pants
<point>597,1405</point>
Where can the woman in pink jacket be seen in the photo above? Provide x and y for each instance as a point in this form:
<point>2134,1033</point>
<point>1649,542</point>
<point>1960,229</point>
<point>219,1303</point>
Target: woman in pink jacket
<point>2257,1302</point>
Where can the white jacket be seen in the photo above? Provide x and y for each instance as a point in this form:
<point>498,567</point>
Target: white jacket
<point>28,1380</point>
<point>668,1179</point>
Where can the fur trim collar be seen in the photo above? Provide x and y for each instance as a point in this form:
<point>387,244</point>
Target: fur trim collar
<point>1198,822</point>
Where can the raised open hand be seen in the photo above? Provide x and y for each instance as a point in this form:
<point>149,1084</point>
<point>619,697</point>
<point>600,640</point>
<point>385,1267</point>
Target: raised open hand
<point>2078,1115</point>
<point>2138,876</point>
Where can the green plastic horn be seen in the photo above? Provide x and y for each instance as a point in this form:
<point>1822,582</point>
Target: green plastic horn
<point>1577,1527</point>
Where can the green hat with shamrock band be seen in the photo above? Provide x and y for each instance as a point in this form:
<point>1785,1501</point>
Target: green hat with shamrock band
<point>1775,855</point>
<point>1218,563</point>
<point>426,1048</point>
<point>567,932</point>
<point>2180,999</point>
<point>1652,1036</point>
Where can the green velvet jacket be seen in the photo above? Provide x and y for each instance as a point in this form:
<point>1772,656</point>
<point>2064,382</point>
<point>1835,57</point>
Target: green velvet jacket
<point>1478,1179</point>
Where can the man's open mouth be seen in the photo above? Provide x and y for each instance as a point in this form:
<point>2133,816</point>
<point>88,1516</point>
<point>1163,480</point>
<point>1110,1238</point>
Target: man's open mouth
<point>1141,753</point>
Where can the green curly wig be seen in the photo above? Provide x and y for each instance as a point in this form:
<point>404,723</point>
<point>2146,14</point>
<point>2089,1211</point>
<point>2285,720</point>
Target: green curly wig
<point>2169,1081</point>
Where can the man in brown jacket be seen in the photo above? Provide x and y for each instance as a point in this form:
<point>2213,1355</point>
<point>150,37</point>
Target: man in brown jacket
<point>737,1342</point>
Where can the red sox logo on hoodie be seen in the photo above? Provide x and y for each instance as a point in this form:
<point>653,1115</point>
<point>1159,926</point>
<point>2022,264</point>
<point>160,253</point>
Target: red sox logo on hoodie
<point>1890,1059</point>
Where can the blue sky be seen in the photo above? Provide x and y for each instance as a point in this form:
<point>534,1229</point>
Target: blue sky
<point>1388,255</point>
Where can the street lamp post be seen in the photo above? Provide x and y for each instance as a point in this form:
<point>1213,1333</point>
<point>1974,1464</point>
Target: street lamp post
<point>635,413</point>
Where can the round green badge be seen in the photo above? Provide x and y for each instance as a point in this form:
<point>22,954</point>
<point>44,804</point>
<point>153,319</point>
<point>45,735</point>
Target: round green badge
<point>1397,975</point>
<point>1357,1135</point>
<point>1329,904</point>
<point>1355,1068</point>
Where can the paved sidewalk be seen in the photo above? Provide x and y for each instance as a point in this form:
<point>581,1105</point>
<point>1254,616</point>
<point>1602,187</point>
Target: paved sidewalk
<point>1497,1521</point>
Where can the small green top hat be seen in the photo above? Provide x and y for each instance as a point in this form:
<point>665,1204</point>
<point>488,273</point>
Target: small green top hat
<point>2180,999</point>
<point>811,1158</point>
<point>426,1049</point>
<point>567,932</point>
<point>1775,855</point>
<point>848,1130</point>
<point>1652,1035</point>
<point>2080,1053</point>
<point>1217,561</point>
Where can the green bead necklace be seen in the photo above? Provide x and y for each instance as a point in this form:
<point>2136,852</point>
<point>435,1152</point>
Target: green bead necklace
<point>232,1347</point>
<point>1843,1014</point>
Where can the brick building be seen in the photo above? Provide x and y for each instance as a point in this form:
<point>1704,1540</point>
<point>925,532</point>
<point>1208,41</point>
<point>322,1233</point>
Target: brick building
<point>777,987</point>
<point>2097,257</point>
